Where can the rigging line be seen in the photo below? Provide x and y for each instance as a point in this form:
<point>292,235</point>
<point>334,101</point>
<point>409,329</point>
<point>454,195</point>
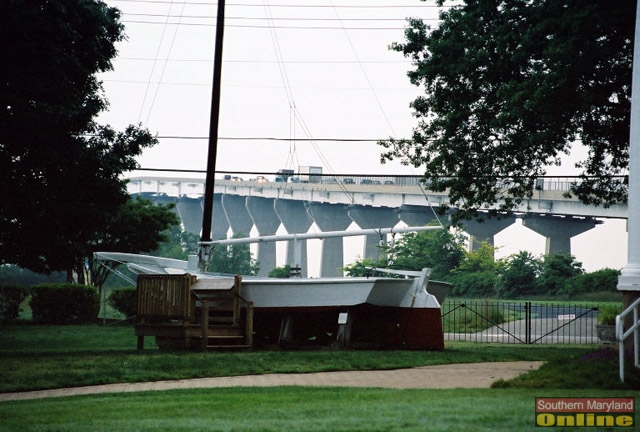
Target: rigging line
<point>279,58</point>
<point>324,160</point>
<point>285,81</point>
<point>153,67</point>
<point>289,91</point>
<point>118,272</point>
<point>164,68</point>
<point>293,112</point>
<point>364,72</point>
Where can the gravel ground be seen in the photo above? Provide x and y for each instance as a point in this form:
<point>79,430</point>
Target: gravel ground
<point>471,375</point>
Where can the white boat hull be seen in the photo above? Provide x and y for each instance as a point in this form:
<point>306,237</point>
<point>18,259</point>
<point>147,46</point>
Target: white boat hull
<point>379,312</point>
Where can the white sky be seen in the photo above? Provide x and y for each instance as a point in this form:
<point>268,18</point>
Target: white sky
<point>291,69</point>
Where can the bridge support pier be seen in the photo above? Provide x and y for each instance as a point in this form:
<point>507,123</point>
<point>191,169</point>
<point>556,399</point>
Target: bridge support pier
<point>219,222</point>
<point>331,217</point>
<point>263,214</point>
<point>558,230</point>
<point>235,208</point>
<point>416,215</point>
<point>295,219</point>
<point>486,230</point>
<point>373,217</point>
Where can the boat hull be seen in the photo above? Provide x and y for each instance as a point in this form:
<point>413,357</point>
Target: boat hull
<point>374,313</point>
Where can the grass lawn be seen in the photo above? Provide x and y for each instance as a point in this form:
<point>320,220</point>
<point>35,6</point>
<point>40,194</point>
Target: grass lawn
<point>36,357</point>
<point>287,409</point>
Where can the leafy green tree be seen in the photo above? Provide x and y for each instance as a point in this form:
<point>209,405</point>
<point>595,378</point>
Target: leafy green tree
<point>557,270</point>
<point>517,275</point>
<point>509,87</point>
<point>60,171</point>
<point>440,250</point>
<point>361,267</point>
<point>600,280</point>
<point>233,259</point>
<point>476,276</point>
<point>179,245</point>
<point>283,272</point>
<point>139,226</point>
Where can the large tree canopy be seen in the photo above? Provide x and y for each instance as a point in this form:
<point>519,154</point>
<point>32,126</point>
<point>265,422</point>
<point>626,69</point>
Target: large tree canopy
<point>509,87</point>
<point>60,171</point>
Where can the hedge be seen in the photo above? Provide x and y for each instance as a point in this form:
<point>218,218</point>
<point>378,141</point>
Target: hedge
<point>64,303</point>
<point>10,298</point>
<point>125,300</point>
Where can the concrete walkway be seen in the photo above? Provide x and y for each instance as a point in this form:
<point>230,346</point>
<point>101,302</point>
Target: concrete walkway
<point>471,375</point>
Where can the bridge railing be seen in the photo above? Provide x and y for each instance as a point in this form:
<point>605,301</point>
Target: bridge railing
<point>195,186</point>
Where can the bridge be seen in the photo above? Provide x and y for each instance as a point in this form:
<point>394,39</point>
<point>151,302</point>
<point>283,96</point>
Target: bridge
<point>334,203</point>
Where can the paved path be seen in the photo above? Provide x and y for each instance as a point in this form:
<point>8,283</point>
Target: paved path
<point>471,375</point>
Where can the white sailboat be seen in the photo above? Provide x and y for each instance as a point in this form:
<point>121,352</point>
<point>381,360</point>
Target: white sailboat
<point>402,311</point>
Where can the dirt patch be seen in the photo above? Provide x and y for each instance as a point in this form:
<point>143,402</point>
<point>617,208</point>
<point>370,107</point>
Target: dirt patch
<point>472,375</point>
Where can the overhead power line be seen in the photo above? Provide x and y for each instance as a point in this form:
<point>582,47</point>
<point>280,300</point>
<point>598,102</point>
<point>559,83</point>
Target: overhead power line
<point>260,26</point>
<point>293,6</point>
<point>274,139</point>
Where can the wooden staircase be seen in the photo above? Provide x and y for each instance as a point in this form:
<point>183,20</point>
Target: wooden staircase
<point>222,320</point>
<point>177,309</point>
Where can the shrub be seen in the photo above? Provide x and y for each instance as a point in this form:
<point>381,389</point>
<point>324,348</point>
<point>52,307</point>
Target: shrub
<point>64,303</point>
<point>603,280</point>
<point>10,298</point>
<point>607,314</point>
<point>125,300</point>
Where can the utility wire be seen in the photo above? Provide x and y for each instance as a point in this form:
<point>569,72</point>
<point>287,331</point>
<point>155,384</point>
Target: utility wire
<point>292,6</point>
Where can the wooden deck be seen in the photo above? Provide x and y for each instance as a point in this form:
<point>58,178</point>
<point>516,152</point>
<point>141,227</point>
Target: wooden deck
<point>182,315</point>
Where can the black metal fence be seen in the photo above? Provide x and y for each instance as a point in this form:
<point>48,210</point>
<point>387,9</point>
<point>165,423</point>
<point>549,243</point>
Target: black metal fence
<point>519,322</point>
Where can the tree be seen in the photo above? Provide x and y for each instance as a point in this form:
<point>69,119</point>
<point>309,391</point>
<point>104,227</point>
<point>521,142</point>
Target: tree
<point>139,226</point>
<point>361,267</point>
<point>476,276</point>
<point>283,272</point>
<point>179,244</point>
<point>60,171</point>
<point>557,269</point>
<point>509,87</point>
<point>605,279</point>
<point>233,259</point>
<point>439,250</point>
<point>517,275</point>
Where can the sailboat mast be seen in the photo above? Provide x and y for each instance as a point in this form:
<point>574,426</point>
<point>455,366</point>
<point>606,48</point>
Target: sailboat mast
<point>203,253</point>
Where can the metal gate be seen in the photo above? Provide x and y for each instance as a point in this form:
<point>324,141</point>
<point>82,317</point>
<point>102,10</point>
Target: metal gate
<point>522,322</point>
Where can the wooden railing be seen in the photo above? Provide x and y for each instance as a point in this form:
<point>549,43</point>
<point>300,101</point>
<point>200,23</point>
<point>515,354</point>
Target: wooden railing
<point>165,296</point>
<point>174,307</point>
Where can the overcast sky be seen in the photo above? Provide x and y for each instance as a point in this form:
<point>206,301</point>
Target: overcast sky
<point>292,69</point>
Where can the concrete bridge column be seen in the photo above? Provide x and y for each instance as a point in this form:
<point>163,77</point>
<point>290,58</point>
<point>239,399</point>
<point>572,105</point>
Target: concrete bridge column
<point>190,211</point>
<point>235,209</point>
<point>416,215</point>
<point>295,219</point>
<point>331,217</point>
<point>485,230</point>
<point>559,229</point>
<point>219,222</point>
<point>368,217</point>
<point>263,214</point>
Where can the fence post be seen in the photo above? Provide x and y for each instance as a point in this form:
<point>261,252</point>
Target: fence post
<point>527,309</point>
